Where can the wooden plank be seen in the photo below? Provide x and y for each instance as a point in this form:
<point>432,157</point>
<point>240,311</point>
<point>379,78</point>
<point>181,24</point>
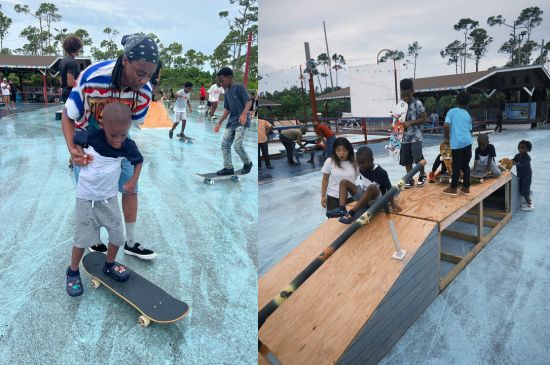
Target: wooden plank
<point>318,322</point>
<point>489,213</point>
<point>470,255</point>
<point>449,257</point>
<point>480,222</point>
<point>474,220</point>
<point>430,203</point>
<point>460,235</point>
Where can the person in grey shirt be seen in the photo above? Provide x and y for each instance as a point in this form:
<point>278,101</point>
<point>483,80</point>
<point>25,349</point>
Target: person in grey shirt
<point>237,103</point>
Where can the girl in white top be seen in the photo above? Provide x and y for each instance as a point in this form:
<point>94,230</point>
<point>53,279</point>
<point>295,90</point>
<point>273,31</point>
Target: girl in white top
<point>340,165</point>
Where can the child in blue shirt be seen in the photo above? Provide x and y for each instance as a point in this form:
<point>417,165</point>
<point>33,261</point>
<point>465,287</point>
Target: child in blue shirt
<point>96,196</point>
<point>523,168</point>
<point>458,130</point>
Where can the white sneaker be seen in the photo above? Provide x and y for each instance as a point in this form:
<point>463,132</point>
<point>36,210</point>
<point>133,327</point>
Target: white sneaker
<point>528,207</point>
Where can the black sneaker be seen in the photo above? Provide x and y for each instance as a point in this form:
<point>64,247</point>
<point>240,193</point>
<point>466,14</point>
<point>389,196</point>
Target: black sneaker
<point>139,251</point>
<point>100,247</point>
<point>409,184</point>
<point>421,181</point>
<point>171,134</point>
<point>247,167</point>
<point>225,171</point>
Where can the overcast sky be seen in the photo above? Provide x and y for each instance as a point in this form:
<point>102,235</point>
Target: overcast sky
<point>194,24</point>
<point>360,29</point>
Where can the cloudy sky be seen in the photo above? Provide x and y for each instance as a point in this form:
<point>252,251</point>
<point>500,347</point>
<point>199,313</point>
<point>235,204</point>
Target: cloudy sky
<point>360,29</point>
<point>194,24</point>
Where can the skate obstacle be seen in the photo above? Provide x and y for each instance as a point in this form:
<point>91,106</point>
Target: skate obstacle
<point>355,306</point>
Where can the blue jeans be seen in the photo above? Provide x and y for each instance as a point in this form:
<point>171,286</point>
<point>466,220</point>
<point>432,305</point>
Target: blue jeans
<point>235,137</point>
<point>329,142</point>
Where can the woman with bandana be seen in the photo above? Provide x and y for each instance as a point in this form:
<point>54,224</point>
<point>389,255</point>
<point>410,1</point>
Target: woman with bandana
<point>124,80</point>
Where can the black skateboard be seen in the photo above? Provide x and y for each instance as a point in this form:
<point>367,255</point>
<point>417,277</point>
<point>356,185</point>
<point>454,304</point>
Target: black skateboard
<point>479,177</point>
<point>210,178</point>
<point>154,304</point>
<point>185,139</point>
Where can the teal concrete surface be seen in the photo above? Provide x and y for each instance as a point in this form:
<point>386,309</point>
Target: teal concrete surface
<point>205,237</point>
<point>494,312</point>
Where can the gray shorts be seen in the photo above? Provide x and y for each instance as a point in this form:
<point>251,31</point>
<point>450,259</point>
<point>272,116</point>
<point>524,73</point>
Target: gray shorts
<point>410,152</point>
<point>90,218</point>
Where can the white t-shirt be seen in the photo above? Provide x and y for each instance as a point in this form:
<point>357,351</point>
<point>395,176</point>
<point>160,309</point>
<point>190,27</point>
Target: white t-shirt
<point>5,89</point>
<point>90,187</point>
<point>181,101</point>
<point>214,93</point>
<point>346,172</point>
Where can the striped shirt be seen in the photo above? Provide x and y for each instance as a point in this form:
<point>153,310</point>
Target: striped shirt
<point>94,90</point>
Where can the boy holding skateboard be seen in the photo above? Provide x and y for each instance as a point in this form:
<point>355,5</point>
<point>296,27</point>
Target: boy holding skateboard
<point>458,129</point>
<point>96,196</point>
<point>372,183</point>
<point>180,109</point>
<point>485,155</point>
<point>237,103</point>
<point>411,145</point>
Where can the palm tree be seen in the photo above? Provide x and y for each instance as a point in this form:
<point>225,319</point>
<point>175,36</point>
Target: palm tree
<point>338,62</point>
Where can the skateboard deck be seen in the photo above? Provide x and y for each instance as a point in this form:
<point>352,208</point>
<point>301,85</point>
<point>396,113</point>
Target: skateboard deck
<point>210,178</point>
<point>154,304</point>
<point>186,140</point>
<point>479,177</point>
<point>398,114</point>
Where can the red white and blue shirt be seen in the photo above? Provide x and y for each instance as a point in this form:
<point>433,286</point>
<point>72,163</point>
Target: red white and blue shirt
<point>94,89</point>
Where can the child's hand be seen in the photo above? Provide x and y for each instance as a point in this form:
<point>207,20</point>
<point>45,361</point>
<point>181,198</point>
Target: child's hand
<point>130,186</point>
<point>324,201</point>
<point>217,128</point>
<point>242,119</point>
<point>396,208</point>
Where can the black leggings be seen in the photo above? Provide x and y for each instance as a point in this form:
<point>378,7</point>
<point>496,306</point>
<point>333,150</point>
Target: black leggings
<point>461,161</point>
<point>265,152</point>
<point>436,164</point>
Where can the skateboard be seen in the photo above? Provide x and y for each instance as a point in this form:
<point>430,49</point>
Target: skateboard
<point>446,178</point>
<point>446,155</point>
<point>210,178</point>
<point>398,114</point>
<point>185,139</point>
<point>479,176</point>
<point>154,304</point>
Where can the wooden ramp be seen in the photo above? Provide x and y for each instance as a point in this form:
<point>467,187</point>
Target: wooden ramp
<point>157,116</point>
<point>359,303</point>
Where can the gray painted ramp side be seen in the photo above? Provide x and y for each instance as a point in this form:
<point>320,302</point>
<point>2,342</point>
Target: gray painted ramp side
<point>410,295</point>
<point>516,199</point>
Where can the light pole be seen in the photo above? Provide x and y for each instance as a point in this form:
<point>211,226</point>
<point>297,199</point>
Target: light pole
<point>394,71</point>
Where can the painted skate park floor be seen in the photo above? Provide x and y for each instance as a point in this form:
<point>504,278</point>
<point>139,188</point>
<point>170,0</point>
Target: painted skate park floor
<point>495,310</point>
<point>205,237</point>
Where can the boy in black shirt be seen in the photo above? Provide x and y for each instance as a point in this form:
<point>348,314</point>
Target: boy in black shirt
<point>372,183</point>
<point>485,156</point>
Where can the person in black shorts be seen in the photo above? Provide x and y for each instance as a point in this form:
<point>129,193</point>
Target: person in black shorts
<point>72,45</point>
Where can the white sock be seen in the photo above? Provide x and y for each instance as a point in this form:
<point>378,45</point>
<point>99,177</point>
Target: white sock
<point>130,234</point>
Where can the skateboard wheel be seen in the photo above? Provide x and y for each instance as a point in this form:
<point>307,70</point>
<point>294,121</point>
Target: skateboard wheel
<point>96,283</point>
<point>211,182</point>
<point>144,321</point>
<point>239,179</point>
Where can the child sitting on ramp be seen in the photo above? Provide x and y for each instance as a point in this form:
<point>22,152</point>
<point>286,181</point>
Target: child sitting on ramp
<point>340,165</point>
<point>96,195</point>
<point>485,155</point>
<point>372,183</point>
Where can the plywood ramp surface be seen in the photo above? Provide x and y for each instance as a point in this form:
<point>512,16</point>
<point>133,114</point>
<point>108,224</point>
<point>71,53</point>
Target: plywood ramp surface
<point>322,318</point>
<point>157,116</point>
<point>280,275</point>
<point>429,202</point>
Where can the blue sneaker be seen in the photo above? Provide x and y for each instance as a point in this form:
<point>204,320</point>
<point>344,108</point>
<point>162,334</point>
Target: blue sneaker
<point>335,213</point>
<point>117,272</point>
<point>74,285</point>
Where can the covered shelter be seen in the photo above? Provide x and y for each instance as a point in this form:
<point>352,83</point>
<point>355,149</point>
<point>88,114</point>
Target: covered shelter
<point>525,89</point>
<point>45,65</point>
